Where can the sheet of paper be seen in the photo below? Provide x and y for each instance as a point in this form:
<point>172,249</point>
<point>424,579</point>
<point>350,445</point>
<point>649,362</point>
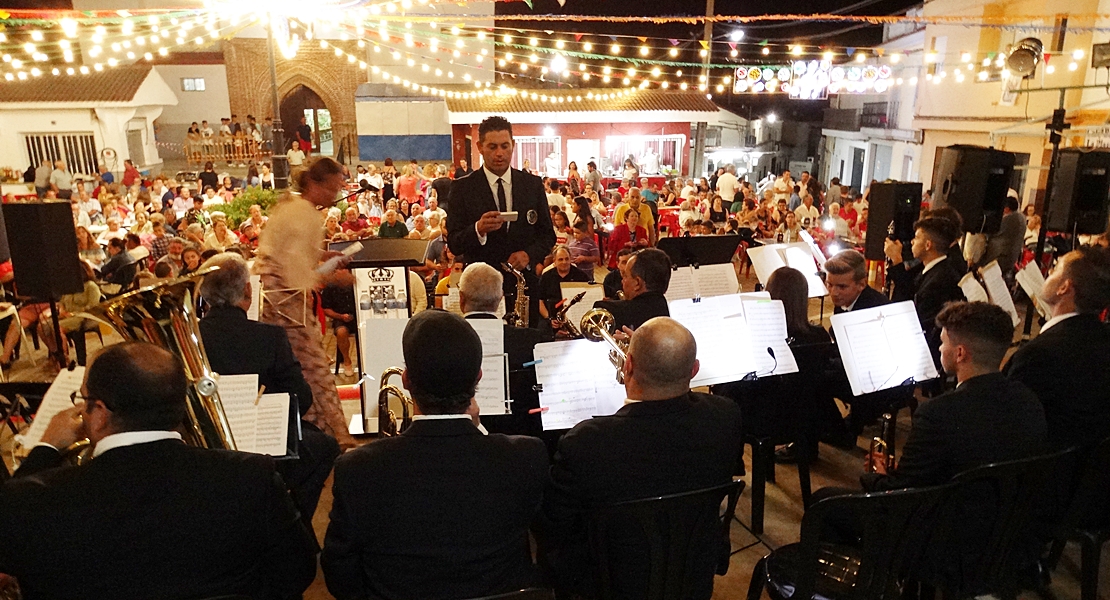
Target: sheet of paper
<point>578,382</point>
<point>492,334</point>
<point>271,431</point>
<point>998,290</point>
<point>760,295</point>
<point>768,258</point>
<point>256,297</point>
<point>682,285</point>
<point>261,428</point>
<point>1031,280</point>
<point>492,389</point>
<point>451,303</point>
<point>718,327</point>
<point>594,293</point>
<point>766,327</point>
<point>883,347</point>
<point>973,290</point>
<point>379,349</point>
<point>55,401</point>
<point>715,280</point>
<point>814,249</point>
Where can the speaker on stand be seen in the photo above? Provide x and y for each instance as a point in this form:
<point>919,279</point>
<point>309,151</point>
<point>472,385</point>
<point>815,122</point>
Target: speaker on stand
<point>973,180</point>
<point>1080,202</point>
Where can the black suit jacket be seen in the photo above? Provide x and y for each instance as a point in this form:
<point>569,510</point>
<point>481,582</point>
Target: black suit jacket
<point>868,298</point>
<point>633,313</point>
<point>440,511</point>
<point>986,419</point>
<point>519,345</point>
<point>157,520</point>
<point>645,449</point>
<point>471,197</point>
<point>931,291</point>
<point>235,345</point>
<point>1068,367</point>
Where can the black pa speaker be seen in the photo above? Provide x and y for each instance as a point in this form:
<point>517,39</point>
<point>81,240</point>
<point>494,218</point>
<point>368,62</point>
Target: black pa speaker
<point>1080,192</point>
<point>893,207</point>
<point>43,245</point>
<point>974,181</point>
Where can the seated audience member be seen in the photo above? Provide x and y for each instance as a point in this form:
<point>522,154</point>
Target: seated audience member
<point>120,269</point>
<point>194,234</point>
<point>162,271</point>
<point>1068,364</point>
<point>197,214</point>
<point>221,237</point>
<point>113,232</point>
<point>338,302</point>
<point>628,234</point>
<point>68,307</point>
<point>644,283</point>
<point>354,223</point>
<point>190,257</point>
<point>28,315</point>
<point>584,253</point>
<point>480,295</point>
<point>263,349</point>
<point>225,526</point>
<point>642,451</point>
<point>419,229</point>
<point>612,282</point>
<point>393,227</point>
<point>561,271</point>
<point>459,503</point>
<point>173,256</point>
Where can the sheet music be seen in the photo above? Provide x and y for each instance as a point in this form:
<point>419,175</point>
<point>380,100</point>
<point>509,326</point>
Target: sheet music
<point>256,297</point>
<point>55,401</point>
<point>492,393</point>
<point>882,347</point>
<point>760,295</point>
<point>594,292</point>
<point>578,382</point>
<point>261,428</point>
<point>681,285</point>
<point>973,290</point>
<point>451,303</point>
<point>1032,281</point>
<point>716,280</point>
<point>814,249</point>
<point>379,349</point>
<point>770,257</point>
<point>998,290</point>
<point>766,324</point>
<point>718,327</point>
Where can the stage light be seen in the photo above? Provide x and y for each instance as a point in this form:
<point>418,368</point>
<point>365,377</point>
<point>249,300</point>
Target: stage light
<point>772,117</point>
<point>736,35</point>
<point>1025,57</point>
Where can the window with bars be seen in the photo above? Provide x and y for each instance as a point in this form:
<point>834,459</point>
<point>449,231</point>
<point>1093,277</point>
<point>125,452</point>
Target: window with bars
<point>77,149</point>
<point>534,149</point>
<point>666,153</point>
<point>192,84</point>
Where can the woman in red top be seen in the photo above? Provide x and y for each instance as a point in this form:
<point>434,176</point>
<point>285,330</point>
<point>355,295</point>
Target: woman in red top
<point>626,235</point>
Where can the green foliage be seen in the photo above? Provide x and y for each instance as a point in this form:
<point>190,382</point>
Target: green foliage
<point>239,209</point>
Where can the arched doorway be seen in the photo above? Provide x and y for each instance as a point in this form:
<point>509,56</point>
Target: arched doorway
<point>304,103</point>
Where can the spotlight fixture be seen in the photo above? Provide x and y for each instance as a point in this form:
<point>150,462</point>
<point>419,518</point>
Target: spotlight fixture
<point>1025,57</point>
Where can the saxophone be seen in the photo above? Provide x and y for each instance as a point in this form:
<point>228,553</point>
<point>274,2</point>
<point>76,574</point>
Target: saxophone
<point>519,316</point>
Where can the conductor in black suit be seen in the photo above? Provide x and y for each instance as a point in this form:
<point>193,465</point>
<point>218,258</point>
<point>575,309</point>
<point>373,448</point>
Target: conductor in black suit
<point>235,345</point>
<point>478,232</point>
<point>440,511</point>
<point>665,440</point>
<point>148,516</point>
<point>649,276</point>
<point>479,296</point>
<point>1068,363</point>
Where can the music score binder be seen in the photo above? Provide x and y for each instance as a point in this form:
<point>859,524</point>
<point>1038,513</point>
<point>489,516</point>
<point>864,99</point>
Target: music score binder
<point>770,257</point>
<point>702,281</point>
<point>883,347</point>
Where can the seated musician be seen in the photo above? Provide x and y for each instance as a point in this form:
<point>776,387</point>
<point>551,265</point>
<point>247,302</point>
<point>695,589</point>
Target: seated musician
<point>550,282</point>
<point>1067,365</point>
<point>147,516</point>
<point>612,282</point>
<point>480,295</point>
<point>439,511</point>
<point>665,440</point>
<point>646,280</point>
<point>236,345</point>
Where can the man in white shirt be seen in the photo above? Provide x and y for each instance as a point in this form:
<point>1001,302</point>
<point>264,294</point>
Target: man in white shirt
<point>88,204</point>
<point>728,185</point>
<point>554,198</point>
<point>688,191</point>
<point>61,180</point>
<point>783,186</point>
<point>434,209</point>
<point>551,166</point>
<point>806,212</point>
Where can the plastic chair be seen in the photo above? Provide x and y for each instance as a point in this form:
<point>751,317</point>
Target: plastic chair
<point>77,337</point>
<point>1087,519</point>
<point>664,547</point>
<point>891,527</point>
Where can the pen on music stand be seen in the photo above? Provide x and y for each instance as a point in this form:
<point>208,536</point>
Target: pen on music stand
<point>258,398</point>
<point>539,410</point>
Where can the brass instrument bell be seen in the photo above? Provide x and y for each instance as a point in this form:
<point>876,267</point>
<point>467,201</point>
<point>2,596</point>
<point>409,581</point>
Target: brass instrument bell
<point>388,424</point>
<point>598,325</point>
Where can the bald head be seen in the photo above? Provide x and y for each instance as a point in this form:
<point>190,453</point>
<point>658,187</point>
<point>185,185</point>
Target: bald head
<point>663,357</point>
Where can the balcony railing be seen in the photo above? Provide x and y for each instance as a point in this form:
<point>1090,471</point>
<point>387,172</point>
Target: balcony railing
<point>843,119</point>
<point>879,115</point>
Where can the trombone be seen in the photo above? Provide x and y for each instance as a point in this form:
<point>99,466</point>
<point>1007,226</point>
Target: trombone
<point>388,424</point>
<point>598,325</point>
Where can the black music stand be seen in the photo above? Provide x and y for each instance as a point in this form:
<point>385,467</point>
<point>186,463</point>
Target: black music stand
<point>700,250</point>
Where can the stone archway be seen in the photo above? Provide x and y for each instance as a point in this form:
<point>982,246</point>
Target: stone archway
<point>302,107</point>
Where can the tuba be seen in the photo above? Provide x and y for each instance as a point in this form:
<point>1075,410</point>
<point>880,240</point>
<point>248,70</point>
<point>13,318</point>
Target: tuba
<point>165,315</point>
<point>387,419</point>
<point>598,325</point>
<point>519,316</point>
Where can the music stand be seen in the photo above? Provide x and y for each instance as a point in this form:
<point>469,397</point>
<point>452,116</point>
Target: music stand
<point>700,250</point>
<point>379,252</point>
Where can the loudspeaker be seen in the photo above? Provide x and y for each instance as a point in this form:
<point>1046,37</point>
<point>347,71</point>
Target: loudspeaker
<point>43,245</point>
<point>1080,192</point>
<point>893,207</point>
<point>974,181</point>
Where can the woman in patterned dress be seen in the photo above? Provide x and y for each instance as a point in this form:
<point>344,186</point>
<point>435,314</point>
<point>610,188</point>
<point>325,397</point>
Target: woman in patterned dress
<point>289,252</point>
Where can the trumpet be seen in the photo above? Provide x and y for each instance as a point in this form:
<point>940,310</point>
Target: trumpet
<point>388,425</point>
<point>598,325</point>
<point>881,444</point>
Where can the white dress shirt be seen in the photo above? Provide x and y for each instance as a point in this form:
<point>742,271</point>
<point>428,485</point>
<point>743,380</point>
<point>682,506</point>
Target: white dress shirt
<point>1054,320</point>
<point>507,183</point>
<point>446,417</point>
<point>933,263</point>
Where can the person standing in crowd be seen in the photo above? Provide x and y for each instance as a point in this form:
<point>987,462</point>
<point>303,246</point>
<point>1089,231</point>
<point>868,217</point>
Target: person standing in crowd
<point>593,178</point>
<point>783,187</point>
<point>647,278</point>
<point>441,186</point>
<point>642,451</point>
<point>1067,365</point>
<point>289,252</point>
<point>42,178</point>
<point>295,155</point>
<point>61,180</point>
<point>461,171</point>
<point>469,499</point>
<point>1006,245</point>
<point>119,516</point>
<point>131,174</point>
<point>304,136</point>
<point>728,185</point>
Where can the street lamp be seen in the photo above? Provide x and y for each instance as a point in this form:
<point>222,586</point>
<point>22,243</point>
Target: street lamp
<point>280,161</point>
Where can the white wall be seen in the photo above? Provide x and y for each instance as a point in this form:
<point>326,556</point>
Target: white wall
<point>211,104</point>
<point>15,123</point>
<point>408,117</point>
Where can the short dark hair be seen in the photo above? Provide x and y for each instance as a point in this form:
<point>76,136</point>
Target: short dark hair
<point>946,212</point>
<point>1088,268</point>
<point>581,226</point>
<point>441,382</point>
<point>142,384</point>
<point>494,123</point>
<point>591,164</point>
<point>654,267</point>
<point>117,243</point>
<point>941,231</point>
<point>162,269</point>
<point>847,261</point>
<point>985,328</point>
<point>1011,203</point>
<point>625,252</point>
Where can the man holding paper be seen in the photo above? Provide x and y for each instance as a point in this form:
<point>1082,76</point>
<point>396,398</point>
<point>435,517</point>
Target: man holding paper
<point>148,516</point>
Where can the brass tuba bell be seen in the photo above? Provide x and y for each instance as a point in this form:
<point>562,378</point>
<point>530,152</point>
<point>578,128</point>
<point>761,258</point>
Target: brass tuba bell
<point>598,325</point>
<point>387,420</point>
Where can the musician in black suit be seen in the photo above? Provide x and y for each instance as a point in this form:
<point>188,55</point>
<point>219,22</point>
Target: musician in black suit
<point>236,345</point>
<point>649,275</point>
<point>1068,363</point>
<point>148,516</point>
<point>479,296</point>
<point>846,280</point>
<point>479,233</point>
<point>439,511</point>
<point>665,440</point>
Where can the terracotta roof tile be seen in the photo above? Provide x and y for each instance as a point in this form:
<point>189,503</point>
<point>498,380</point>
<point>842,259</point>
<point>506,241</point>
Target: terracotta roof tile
<point>639,100</point>
<point>118,84</point>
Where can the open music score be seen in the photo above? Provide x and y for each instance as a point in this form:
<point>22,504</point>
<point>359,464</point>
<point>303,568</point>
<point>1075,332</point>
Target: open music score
<point>492,393</point>
<point>702,282</point>
<point>594,292</point>
<point>1031,281</point>
<point>883,347</point>
<point>258,424</point>
<point>998,290</point>
<point>769,258</point>
<point>54,401</point>
<point>578,383</point>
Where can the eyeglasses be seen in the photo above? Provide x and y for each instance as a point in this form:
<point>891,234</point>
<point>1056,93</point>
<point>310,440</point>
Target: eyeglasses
<point>75,396</point>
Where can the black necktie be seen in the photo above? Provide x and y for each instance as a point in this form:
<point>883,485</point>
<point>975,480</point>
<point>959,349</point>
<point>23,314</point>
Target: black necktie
<point>502,203</point>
